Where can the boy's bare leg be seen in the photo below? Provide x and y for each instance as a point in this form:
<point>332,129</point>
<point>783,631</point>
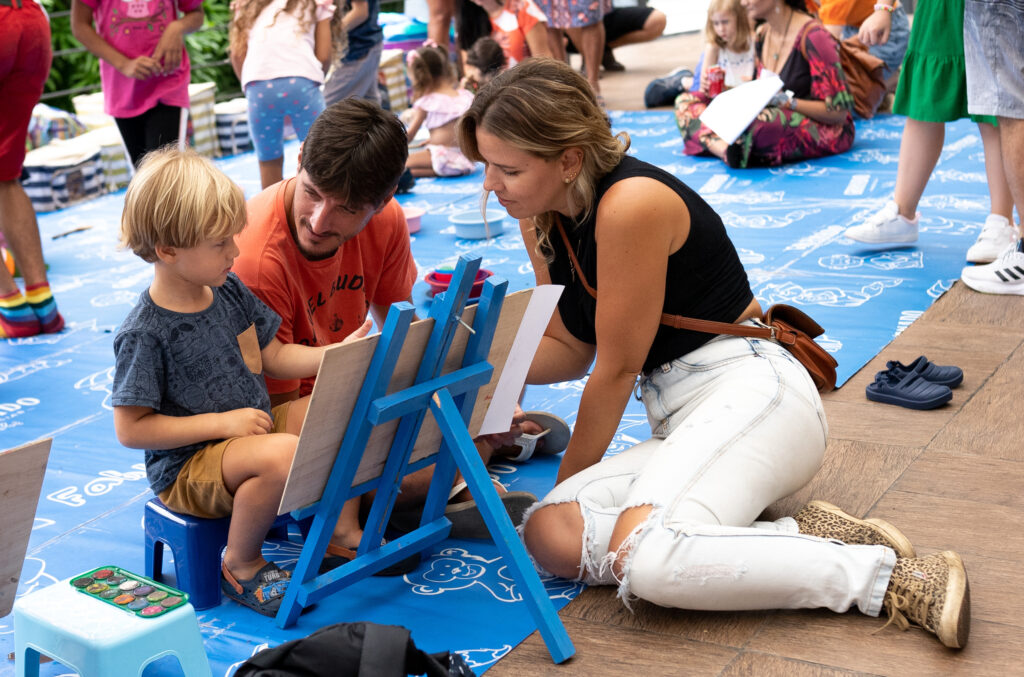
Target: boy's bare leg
<point>254,469</point>
<point>271,171</point>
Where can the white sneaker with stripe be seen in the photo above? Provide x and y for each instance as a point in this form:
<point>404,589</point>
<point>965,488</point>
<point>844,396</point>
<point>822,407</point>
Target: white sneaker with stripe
<point>1005,275</point>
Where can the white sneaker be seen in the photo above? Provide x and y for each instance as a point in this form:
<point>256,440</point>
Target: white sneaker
<point>1005,275</point>
<point>887,226</point>
<point>996,235</point>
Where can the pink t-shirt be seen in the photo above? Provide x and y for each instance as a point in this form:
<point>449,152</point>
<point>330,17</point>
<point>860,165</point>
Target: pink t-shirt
<point>134,27</point>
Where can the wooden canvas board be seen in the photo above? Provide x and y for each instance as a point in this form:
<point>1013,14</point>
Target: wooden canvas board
<point>21,479</point>
<point>337,387</point>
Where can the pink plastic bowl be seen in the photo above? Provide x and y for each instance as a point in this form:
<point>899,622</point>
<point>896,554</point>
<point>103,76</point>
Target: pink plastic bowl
<point>412,217</point>
<point>439,282</point>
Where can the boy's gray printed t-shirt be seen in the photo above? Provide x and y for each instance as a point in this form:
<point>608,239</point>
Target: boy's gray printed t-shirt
<point>183,364</point>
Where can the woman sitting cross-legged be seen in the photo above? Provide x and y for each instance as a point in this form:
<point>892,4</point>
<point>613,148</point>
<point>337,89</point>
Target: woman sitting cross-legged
<point>736,422</point>
<point>816,121</point>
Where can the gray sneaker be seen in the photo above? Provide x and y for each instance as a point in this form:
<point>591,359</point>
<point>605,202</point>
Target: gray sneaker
<point>885,227</point>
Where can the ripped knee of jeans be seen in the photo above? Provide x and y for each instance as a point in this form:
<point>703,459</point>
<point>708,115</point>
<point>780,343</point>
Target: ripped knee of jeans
<point>547,545</point>
<point>615,564</point>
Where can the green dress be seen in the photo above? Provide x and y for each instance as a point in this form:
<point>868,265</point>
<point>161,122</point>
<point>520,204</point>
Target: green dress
<point>933,80</point>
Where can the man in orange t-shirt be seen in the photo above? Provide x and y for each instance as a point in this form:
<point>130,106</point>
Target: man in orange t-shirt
<point>331,245</point>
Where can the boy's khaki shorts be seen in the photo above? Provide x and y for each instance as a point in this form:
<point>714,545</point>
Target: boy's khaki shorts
<point>199,489</point>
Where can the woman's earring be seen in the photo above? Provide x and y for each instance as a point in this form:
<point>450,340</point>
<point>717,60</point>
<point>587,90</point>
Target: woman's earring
<point>567,179</point>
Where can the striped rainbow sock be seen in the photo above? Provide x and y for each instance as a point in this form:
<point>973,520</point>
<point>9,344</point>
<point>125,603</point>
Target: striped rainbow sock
<point>16,317</point>
<point>44,307</point>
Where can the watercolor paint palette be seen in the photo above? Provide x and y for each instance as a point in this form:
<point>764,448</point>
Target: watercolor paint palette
<point>135,594</point>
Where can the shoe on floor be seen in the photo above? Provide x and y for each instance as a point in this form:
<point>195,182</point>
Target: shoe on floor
<point>885,227</point>
<point>997,234</point>
<point>467,522</point>
<point>552,439</point>
<point>824,520</point>
<point>932,593</point>
<point>262,593</point>
<point>406,182</point>
<point>1005,275</point>
<point>609,63</point>
<point>912,391</point>
<point>949,376</point>
<point>337,556</point>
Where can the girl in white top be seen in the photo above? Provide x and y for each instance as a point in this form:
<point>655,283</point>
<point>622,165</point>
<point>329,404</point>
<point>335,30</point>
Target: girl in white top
<point>438,103</point>
<point>280,50</point>
<point>730,43</point>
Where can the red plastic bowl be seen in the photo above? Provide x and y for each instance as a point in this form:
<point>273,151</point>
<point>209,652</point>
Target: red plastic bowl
<point>438,282</point>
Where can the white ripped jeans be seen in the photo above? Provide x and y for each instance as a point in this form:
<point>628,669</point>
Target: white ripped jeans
<point>737,424</point>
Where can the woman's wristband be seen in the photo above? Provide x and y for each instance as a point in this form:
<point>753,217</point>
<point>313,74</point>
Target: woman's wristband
<point>885,8</point>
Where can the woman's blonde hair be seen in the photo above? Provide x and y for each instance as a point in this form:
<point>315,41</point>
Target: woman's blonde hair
<point>179,199</point>
<point>744,30</point>
<point>544,107</point>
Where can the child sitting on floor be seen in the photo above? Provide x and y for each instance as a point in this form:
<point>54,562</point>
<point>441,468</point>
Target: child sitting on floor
<point>730,43</point>
<point>190,358</point>
<point>484,60</point>
<point>437,104</point>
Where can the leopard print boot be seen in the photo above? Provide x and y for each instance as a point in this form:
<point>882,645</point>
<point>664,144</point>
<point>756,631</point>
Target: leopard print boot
<point>931,593</point>
<point>825,520</point>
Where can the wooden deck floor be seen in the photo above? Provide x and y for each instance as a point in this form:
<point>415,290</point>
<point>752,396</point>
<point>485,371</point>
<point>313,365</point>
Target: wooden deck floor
<point>950,478</point>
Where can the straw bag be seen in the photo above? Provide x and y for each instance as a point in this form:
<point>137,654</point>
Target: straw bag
<point>790,327</point>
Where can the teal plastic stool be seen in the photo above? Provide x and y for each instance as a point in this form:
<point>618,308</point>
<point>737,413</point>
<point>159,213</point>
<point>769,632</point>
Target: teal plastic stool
<point>97,639</point>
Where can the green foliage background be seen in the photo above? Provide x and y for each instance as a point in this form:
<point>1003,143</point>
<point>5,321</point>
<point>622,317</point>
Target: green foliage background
<point>74,68</point>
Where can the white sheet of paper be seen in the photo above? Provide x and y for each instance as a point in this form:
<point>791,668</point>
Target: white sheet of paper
<point>733,110</point>
<point>498,418</point>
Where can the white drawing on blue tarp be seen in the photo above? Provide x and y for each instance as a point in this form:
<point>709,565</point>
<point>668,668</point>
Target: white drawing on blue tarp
<point>956,203</point>
<point>873,132</point>
<point>671,142</point>
<point>282,553</point>
<point>11,411</point>
<point>458,569</point>
<point>621,443</point>
<point>940,287</point>
<point>957,176</point>
<point>525,268</point>
<point>98,486</point>
<point>907,318</point>
<point>833,297</point>
<point>99,382</point>
<point>830,345</point>
<point>478,658</point>
<point>967,141</point>
<point>890,260</point>
<point>747,197</point>
<point>749,257</point>
<point>802,169</point>
<point>872,155</point>
<point>765,221</point>
<point>42,523</point>
<point>34,576</point>
<point>117,298</point>
<point>816,239</point>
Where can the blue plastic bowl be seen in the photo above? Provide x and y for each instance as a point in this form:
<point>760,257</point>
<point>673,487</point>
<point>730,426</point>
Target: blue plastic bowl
<point>469,225</point>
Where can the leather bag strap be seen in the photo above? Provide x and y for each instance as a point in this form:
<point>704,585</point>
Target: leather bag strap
<point>682,322</point>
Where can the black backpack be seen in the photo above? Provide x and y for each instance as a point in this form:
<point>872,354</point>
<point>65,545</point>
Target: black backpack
<point>353,650</point>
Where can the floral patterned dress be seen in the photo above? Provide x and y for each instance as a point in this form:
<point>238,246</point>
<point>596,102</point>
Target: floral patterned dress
<point>574,13</point>
<point>780,135</point>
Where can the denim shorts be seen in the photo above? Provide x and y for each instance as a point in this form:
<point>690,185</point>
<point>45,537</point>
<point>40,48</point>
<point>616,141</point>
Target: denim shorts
<point>994,59</point>
<point>895,47</point>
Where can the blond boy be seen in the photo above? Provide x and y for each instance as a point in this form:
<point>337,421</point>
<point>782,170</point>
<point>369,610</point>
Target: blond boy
<point>190,359</point>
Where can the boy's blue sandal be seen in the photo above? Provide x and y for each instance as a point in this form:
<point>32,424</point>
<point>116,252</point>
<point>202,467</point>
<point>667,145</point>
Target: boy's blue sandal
<point>929,371</point>
<point>262,593</point>
<point>911,391</point>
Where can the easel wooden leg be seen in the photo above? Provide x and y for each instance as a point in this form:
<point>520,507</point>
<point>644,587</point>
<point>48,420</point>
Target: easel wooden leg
<point>449,419</point>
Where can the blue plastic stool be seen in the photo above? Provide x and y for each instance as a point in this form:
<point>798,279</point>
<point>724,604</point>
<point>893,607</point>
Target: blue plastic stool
<point>196,544</point>
<point>97,639</point>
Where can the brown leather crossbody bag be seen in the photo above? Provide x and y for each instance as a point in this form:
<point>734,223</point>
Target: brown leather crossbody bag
<point>790,327</point>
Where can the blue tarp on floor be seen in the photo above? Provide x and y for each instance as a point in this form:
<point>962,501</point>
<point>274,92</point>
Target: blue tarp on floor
<point>787,224</point>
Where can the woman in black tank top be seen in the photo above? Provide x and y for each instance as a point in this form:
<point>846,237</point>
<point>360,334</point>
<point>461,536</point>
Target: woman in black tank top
<point>736,422</point>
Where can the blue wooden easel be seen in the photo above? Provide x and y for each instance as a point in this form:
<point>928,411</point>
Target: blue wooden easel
<point>450,398</point>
